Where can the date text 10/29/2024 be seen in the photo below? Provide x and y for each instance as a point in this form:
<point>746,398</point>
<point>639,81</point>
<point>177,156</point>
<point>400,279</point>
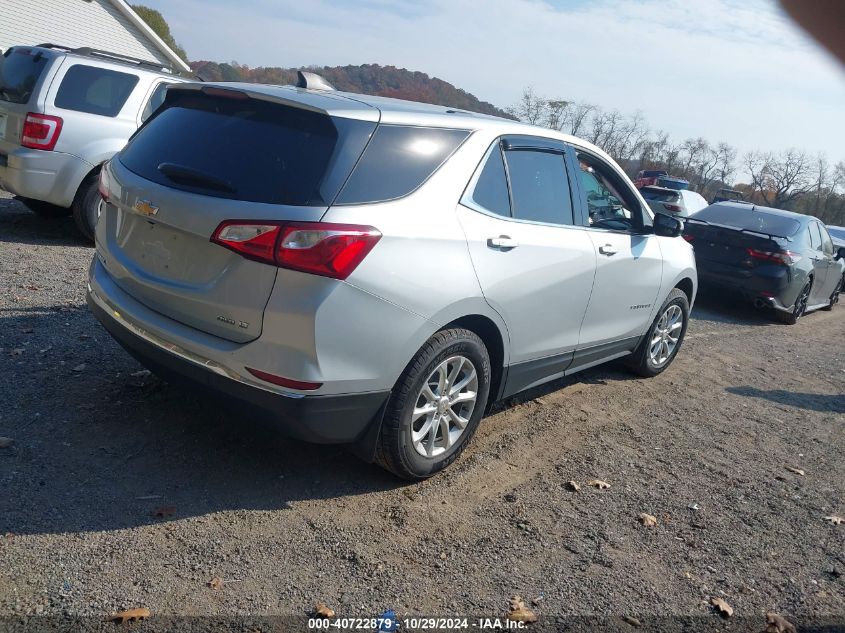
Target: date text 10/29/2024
<point>389,622</point>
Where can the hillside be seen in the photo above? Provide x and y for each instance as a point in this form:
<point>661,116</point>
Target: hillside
<point>386,81</point>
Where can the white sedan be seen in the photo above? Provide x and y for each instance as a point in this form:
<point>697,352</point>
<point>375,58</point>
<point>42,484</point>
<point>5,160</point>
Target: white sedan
<point>677,202</point>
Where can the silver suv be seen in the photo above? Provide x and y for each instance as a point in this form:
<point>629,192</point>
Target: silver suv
<point>377,272</point>
<point>63,112</point>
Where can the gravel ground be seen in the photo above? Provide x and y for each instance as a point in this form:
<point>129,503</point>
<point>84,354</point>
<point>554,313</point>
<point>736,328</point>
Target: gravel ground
<point>98,449</point>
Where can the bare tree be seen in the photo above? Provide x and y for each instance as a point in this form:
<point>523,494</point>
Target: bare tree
<point>821,183</point>
<point>791,176</point>
<point>726,163</point>
<point>577,116</point>
<point>693,151</point>
<point>780,178</point>
<point>531,107</point>
<point>556,113</point>
<point>632,136</point>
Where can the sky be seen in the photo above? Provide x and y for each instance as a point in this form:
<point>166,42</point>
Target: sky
<point>727,70</point>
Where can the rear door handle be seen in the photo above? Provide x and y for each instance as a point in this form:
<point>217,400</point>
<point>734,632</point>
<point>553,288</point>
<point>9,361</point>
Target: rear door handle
<point>607,249</point>
<point>503,241</point>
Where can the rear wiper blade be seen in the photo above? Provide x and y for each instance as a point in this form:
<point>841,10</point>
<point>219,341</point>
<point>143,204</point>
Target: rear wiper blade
<point>189,176</point>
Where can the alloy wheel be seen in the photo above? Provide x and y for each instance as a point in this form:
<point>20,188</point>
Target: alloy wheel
<point>666,334</point>
<point>444,406</point>
<point>801,302</point>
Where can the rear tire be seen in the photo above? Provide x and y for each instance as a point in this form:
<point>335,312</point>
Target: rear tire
<point>435,406</point>
<point>86,207</point>
<point>799,309</point>
<point>834,297</point>
<point>664,338</point>
<point>45,209</point>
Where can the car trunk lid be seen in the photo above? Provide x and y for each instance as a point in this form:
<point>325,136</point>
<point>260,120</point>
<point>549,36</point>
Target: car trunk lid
<point>730,250</point>
<point>202,160</point>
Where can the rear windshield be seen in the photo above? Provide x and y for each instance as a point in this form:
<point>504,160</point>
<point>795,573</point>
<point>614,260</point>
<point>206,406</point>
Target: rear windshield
<point>94,90</point>
<point>659,195</point>
<point>246,149</point>
<point>750,220</point>
<point>398,160</point>
<point>20,69</point>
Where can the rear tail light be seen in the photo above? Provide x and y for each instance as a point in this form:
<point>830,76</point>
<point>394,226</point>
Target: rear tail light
<point>320,248</point>
<point>41,131</point>
<point>786,258</point>
<point>104,184</point>
<point>688,237</point>
<point>674,208</point>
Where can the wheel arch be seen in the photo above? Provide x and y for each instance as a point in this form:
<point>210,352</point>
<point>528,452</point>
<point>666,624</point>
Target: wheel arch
<point>686,286</point>
<point>491,336</point>
<point>91,172</point>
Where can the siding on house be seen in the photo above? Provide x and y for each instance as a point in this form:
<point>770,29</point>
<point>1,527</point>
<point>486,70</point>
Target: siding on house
<point>74,23</point>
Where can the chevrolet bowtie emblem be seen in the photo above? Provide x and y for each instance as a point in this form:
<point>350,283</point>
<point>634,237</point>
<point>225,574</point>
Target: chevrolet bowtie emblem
<point>145,207</point>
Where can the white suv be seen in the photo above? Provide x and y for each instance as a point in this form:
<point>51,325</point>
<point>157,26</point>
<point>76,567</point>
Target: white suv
<point>63,113</point>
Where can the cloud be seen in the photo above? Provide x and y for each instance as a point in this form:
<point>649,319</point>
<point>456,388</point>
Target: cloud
<point>723,69</point>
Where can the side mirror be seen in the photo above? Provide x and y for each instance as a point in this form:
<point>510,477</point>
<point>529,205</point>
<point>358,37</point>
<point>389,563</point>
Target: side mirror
<point>840,253</point>
<point>667,226</point>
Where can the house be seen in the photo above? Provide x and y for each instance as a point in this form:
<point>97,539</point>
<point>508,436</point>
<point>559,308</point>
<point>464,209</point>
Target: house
<point>109,25</point>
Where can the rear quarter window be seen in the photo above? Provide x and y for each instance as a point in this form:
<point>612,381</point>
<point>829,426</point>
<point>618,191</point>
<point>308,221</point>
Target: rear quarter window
<point>20,70</point>
<point>397,160</point>
<point>94,90</point>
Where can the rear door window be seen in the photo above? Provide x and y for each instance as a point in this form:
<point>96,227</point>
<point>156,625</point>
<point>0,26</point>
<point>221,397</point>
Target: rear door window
<point>539,186</point>
<point>94,90</point>
<point>398,160</point>
<point>20,70</point>
<point>246,149</point>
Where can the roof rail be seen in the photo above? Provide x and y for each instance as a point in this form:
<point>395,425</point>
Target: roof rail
<point>117,57</point>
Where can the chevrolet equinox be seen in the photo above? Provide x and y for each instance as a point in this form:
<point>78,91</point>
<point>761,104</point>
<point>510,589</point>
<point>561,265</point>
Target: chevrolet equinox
<point>377,272</point>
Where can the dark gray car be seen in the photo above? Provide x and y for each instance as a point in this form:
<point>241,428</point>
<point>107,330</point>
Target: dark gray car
<point>775,258</point>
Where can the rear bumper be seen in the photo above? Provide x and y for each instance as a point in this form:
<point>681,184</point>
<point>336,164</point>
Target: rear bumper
<point>770,285</point>
<point>325,419</point>
<point>52,177</point>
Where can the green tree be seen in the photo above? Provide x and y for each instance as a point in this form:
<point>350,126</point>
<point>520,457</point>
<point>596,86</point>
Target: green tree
<point>157,23</point>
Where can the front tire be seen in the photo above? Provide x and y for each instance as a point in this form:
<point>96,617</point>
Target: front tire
<point>86,207</point>
<point>664,338</point>
<point>435,406</point>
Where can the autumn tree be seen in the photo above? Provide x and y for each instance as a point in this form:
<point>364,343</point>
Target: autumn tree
<point>159,25</point>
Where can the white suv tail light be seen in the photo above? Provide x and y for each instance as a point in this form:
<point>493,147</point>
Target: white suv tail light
<point>40,131</point>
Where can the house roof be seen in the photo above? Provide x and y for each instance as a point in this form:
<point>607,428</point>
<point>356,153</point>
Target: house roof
<point>177,62</point>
